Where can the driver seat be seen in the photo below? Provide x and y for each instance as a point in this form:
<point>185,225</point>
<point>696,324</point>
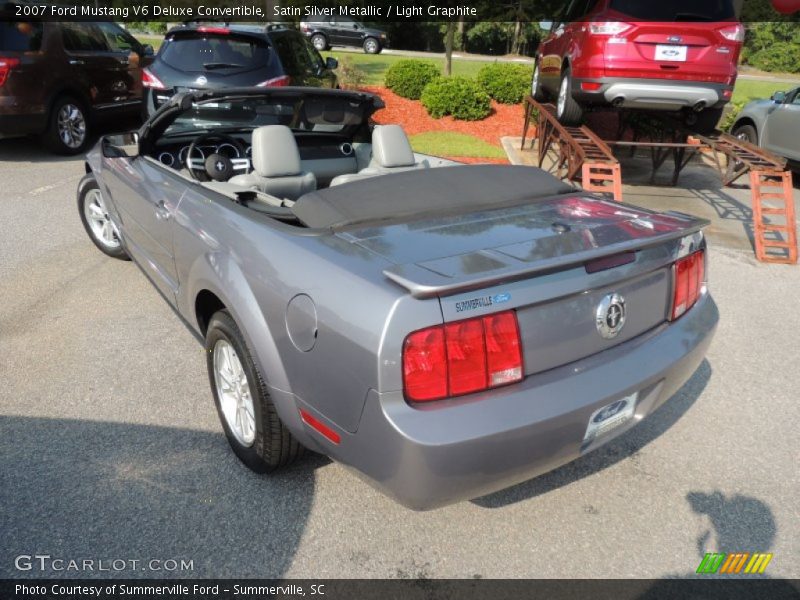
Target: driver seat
<point>276,165</point>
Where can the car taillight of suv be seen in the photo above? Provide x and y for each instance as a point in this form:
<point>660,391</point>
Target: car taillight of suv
<point>671,56</point>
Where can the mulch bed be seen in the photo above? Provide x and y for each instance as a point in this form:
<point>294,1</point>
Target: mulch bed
<point>505,120</point>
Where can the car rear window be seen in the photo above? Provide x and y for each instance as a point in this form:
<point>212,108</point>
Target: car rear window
<point>676,10</point>
<point>20,36</point>
<point>224,53</point>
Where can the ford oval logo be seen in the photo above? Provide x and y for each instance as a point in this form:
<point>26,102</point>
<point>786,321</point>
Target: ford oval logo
<point>610,411</point>
<point>674,39</point>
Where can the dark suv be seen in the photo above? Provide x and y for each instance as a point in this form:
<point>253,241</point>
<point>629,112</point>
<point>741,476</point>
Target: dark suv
<point>325,32</point>
<point>212,56</point>
<point>58,79</point>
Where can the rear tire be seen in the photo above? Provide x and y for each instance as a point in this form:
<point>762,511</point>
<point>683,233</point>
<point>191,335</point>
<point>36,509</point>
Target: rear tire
<point>68,127</point>
<point>707,120</point>
<point>746,133</point>
<point>262,443</point>
<point>568,111</point>
<point>372,46</point>
<point>536,85</point>
<point>320,42</point>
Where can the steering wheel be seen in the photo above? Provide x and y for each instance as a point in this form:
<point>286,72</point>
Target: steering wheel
<point>215,166</point>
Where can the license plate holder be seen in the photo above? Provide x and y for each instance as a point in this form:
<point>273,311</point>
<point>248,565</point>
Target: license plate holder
<point>670,52</point>
<point>609,418</point>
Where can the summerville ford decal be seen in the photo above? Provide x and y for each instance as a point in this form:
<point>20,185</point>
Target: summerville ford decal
<point>482,302</point>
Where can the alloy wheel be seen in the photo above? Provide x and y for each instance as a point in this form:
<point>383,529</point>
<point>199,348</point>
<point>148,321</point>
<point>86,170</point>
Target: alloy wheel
<point>233,391</point>
<point>71,126</point>
<point>94,208</point>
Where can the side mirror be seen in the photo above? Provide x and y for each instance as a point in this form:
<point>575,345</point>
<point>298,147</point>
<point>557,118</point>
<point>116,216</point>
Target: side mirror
<point>122,145</point>
<point>331,63</point>
<point>778,97</point>
<point>545,25</point>
<point>147,50</point>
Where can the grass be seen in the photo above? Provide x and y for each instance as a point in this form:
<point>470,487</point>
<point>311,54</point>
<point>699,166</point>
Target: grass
<point>153,40</point>
<point>376,65</point>
<point>448,143</point>
<point>747,89</point>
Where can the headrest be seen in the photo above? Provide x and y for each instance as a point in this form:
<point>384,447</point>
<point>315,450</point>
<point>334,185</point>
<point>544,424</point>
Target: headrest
<point>390,147</point>
<point>275,152</point>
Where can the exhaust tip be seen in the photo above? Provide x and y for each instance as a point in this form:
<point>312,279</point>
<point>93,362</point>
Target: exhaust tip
<point>699,106</point>
<point>618,101</point>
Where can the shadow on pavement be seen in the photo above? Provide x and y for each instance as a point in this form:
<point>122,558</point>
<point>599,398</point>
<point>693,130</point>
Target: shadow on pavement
<point>97,490</point>
<point>625,446</point>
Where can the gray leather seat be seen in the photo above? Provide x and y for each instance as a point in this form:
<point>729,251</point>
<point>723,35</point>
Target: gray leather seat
<point>276,165</point>
<point>391,153</point>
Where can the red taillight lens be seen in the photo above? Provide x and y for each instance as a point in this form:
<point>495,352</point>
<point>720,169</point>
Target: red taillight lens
<point>591,86</point>
<point>281,81</point>
<point>503,350</point>
<point>151,81</point>
<point>689,273</point>
<point>462,358</point>
<point>215,30</point>
<point>733,33</point>
<point>6,64</point>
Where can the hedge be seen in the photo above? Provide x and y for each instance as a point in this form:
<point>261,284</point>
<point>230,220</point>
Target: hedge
<point>460,97</point>
<point>407,78</point>
<point>505,82</point>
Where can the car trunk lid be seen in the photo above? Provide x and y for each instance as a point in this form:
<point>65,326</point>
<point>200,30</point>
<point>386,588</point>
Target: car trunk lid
<point>553,261</point>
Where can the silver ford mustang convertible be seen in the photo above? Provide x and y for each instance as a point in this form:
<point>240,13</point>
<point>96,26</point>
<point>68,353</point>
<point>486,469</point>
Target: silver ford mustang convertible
<point>445,330</point>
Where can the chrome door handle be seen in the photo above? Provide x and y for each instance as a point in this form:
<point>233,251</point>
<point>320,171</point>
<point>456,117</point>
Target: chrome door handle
<point>162,213</point>
<point>75,61</point>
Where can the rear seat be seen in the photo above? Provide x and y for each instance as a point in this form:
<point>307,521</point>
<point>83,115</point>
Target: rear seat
<point>391,153</point>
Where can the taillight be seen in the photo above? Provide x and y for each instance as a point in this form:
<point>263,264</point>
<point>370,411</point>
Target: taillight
<point>688,275</point>
<point>281,81</point>
<point>215,30</point>
<point>462,357</point>
<point>733,33</point>
<point>608,27</point>
<point>304,27</point>
<point>151,81</point>
<point>590,86</point>
<point>6,64</point>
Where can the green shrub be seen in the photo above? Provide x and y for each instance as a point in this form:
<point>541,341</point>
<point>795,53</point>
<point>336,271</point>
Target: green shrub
<point>350,75</point>
<point>460,97</point>
<point>506,82</point>
<point>407,78</point>
<point>731,114</point>
<point>781,56</point>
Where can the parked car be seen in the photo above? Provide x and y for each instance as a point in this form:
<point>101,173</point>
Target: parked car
<point>447,330</point>
<point>58,80</point>
<point>325,32</point>
<point>213,56</point>
<point>670,56</point>
<point>773,124</point>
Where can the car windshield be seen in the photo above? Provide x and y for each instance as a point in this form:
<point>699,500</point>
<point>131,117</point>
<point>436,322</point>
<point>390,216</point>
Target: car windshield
<point>310,113</point>
<point>676,10</point>
<point>214,52</point>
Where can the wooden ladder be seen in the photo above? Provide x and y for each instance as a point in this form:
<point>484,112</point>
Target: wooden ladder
<point>775,242</point>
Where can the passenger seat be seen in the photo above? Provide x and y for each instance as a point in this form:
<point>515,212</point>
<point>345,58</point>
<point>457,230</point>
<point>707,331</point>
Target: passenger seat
<point>391,153</point>
<point>277,169</point>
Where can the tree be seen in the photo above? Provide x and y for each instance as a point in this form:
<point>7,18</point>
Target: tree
<point>448,48</point>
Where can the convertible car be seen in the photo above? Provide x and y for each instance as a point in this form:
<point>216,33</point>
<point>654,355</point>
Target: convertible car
<point>446,330</point>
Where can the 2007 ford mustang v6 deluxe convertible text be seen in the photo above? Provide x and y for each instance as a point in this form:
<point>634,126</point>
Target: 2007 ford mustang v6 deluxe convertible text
<point>446,330</point>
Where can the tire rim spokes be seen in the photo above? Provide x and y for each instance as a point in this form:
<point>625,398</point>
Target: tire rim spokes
<point>562,96</point>
<point>71,126</point>
<point>233,391</point>
<point>94,208</point>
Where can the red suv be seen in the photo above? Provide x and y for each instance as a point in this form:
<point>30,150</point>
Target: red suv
<point>672,55</point>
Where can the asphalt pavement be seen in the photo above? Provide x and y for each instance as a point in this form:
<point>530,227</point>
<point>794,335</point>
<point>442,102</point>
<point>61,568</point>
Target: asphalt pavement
<point>111,449</point>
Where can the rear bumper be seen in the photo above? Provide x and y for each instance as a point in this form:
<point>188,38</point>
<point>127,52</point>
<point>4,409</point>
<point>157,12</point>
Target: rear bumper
<point>457,450</point>
<point>655,94</point>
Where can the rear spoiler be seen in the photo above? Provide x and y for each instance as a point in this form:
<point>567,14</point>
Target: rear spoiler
<point>425,283</point>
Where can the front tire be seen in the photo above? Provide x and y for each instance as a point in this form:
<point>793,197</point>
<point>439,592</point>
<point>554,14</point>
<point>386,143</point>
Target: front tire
<point>536,85</point>
<point>568,111</point>
<point>68,127</point>
<point>320,42</point>
<point>372,46</point>
<point>96,221</point>
<point>249,418</point>
<point>746,133</point>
